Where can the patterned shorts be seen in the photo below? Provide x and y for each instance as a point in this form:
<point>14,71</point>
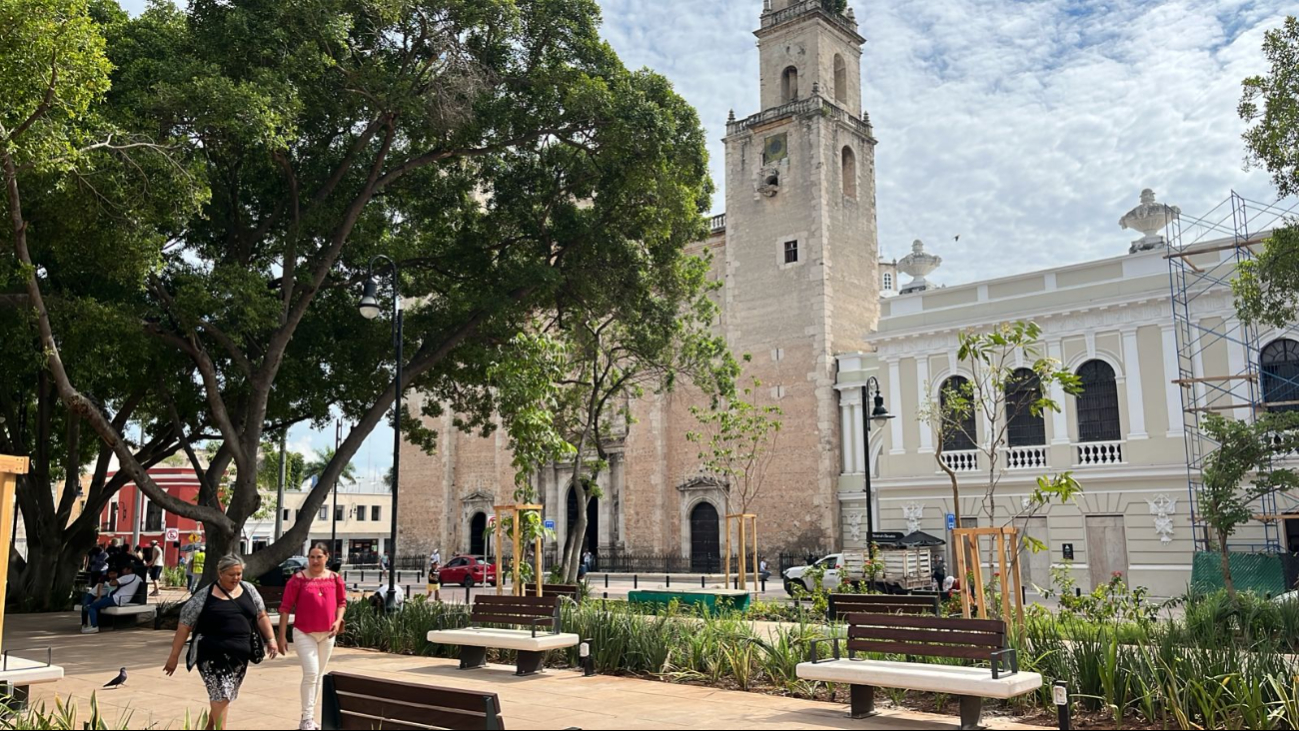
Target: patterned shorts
<point>222,674</point>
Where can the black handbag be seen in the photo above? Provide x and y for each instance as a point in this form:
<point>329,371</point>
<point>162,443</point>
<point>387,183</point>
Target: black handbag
<point>258,645</point>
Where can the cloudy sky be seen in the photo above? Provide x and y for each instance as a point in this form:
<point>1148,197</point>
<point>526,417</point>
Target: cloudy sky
<point>1028,127</point>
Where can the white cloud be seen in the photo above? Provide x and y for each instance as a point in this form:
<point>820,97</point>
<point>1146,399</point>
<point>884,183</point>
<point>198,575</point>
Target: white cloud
<point>1028,128</point>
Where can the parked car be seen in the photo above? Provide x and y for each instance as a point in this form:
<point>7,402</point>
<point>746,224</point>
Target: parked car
<point>467,571</point>
<point>794,575</point>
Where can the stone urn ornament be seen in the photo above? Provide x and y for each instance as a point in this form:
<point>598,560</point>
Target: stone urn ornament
<point>919,265</point>
<point>1149,218</point>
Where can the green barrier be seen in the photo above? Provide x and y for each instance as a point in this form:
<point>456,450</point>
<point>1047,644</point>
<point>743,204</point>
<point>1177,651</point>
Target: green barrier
<point>1262,573</point>
<point>712,600</point>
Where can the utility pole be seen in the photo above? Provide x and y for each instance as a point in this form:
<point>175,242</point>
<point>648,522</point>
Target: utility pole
<point>333,519</point>
<point>279,493</point>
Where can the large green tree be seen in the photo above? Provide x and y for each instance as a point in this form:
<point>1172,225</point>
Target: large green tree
<point>497,149</point>
<point>1267,287</point>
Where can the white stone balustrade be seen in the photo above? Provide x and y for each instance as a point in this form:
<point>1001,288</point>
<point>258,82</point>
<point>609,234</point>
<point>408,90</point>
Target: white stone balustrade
<point>1091,454</point>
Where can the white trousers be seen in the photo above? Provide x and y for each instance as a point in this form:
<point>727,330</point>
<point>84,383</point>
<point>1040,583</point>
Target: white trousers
<point>314,649</point>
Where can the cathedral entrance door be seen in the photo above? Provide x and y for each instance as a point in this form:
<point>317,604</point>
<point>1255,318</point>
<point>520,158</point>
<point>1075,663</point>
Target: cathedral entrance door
<point>591,540</point>
<point>477,527</point>
<point>705,553</point>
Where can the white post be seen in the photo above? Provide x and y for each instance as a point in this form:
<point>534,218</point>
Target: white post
<point>895,397</point>
<point>1172,391</point>
<point>1136,401</point>
<point>1059,419</point>
<point>922,398</point>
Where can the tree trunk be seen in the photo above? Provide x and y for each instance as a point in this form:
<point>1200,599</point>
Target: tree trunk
<point>1226,567</point>
<point>576,532</point>
<point>45,582</point>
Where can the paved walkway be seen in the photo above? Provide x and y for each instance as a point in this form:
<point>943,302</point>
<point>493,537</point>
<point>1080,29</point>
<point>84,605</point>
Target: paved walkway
<point>556,699</point>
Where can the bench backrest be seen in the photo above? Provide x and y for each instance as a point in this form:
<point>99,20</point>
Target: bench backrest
<point>569,590</point>
<point>516,610</point>
<point>271,596</point>
<point>361,702</point>
<point>973,639</point>
<point>841,605</point>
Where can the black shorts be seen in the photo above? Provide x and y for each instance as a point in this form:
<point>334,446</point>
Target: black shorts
<point>154,573</point>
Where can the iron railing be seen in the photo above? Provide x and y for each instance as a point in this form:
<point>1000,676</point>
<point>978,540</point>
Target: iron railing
<point>770,20</point>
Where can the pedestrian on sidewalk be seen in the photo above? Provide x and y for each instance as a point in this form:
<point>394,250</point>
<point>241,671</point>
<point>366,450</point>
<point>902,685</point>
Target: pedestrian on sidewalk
<point>317,598</point>
<point>196,569</point>
<point>155,567</point>
<point>223,618</point>
<point>435,580</point>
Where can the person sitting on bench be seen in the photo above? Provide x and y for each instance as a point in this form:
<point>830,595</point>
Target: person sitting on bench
<point>126,586</point>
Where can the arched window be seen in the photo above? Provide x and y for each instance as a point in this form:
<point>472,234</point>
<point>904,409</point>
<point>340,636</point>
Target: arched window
<point>959,432</point>
<point>888,280</point>
<point>849,173</point>
<point>1098,405</point>
<point>1279,364</point>
<point>840,79</point>
<point>1023,429</point>
<point>789,84</point>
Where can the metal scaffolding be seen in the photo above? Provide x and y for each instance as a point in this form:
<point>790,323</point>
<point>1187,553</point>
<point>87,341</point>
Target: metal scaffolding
<point>1203,255</point>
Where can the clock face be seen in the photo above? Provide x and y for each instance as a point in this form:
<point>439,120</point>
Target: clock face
<point>774,148</point>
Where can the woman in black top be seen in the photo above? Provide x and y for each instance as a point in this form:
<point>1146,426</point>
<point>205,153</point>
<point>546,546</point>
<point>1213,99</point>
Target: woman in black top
<point>223,617</point>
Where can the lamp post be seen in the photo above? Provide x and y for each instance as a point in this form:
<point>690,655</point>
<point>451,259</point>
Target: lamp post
<point>370,310</point>
<point>879,414</point>
<point>333,518</point>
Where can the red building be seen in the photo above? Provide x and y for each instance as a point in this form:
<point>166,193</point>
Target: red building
<point>117,519</point>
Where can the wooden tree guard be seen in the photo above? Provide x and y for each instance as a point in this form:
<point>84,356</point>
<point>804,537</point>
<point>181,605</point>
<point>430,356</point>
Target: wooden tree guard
<point>515,511</point>
<point>968,542</point>
<point>10,468</point>
<point>745,521</point>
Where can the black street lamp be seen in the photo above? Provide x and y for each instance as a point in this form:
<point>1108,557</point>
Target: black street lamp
<point>370,310</point>
<point>333,519</point>
<point>877,414</point>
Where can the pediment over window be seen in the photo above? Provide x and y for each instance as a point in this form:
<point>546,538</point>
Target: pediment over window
<point>478,496</point>
<point>703,482</point>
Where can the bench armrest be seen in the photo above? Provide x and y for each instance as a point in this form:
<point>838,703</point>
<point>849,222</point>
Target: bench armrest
<point>1011,656</point>
<point>812,649</point>
<point>538,620</point>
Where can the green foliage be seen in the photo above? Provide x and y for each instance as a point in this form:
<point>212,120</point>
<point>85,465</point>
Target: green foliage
<point>1241,469</point>
<point>65,716</point>
<point>268,468</point>
<point>1267,285</point>
<point>315,467</point>
<point>737,441</point>
<point>1271,104</point>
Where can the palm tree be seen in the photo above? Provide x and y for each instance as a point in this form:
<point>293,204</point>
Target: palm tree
<point>316,466</point>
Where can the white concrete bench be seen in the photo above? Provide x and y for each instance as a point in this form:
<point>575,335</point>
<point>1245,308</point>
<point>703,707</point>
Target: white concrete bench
<point>20,674</point>
<point>975,639</point>
<point>134,611</point>
<point>539,614</point>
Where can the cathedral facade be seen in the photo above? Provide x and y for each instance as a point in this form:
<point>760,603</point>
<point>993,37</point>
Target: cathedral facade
<point>796,253</point>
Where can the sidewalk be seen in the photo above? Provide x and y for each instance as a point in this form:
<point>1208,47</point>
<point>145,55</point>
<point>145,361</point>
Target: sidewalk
<point>555,699</point>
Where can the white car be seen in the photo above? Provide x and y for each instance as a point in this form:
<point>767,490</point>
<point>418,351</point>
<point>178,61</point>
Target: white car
<point>794,575</point>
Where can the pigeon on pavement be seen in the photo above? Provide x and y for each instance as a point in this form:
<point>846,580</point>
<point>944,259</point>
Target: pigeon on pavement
<point>119,680</point>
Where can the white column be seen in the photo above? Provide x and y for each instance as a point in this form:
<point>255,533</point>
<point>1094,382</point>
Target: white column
<point>1136,400</point>
<point>1236,366</point>
<point>1172,392</point>
<point>895,405</point>
<point>922,398</point>
<point>849,432</point>
<point>1059,419</point>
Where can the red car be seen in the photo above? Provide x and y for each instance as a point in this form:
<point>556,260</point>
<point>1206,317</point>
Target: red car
<point>467,570</point>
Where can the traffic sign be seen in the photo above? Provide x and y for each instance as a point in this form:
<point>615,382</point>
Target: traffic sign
<point>550,524</point>
<point>173,535</point>
<point>195,538</point>
<point>951,521</point>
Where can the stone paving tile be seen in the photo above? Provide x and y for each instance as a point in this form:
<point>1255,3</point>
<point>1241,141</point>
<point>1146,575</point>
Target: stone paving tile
<point>269,700</point>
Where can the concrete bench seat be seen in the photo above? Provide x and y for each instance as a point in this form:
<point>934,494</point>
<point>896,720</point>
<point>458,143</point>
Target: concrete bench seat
<point>921,636</point>
<point>949,679</point>
<point>540,614</point>
<point>20,674</point>
<point>127,610</point>
<point>505,639</point>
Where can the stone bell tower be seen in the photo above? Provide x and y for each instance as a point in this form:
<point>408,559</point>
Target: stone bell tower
<point>801,249</point>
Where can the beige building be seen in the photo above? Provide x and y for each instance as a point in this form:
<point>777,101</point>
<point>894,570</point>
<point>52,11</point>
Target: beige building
<point>1111,322</point>
<point>363,522</point>
<point>796,253</point>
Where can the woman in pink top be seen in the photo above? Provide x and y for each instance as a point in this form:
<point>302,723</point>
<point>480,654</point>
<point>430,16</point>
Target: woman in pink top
<point>317,597</point>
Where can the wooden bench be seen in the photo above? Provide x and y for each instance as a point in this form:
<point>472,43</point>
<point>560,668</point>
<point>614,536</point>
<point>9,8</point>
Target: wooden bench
<point>570,591</point>
<point>272,596</point>
<point>841,605</point>
<point>360,702</point>
<point>972,639</point>
<point>533,612</point>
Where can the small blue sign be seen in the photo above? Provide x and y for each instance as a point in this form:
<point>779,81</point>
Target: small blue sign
<point>550,525</point>
<point>951,521</point>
